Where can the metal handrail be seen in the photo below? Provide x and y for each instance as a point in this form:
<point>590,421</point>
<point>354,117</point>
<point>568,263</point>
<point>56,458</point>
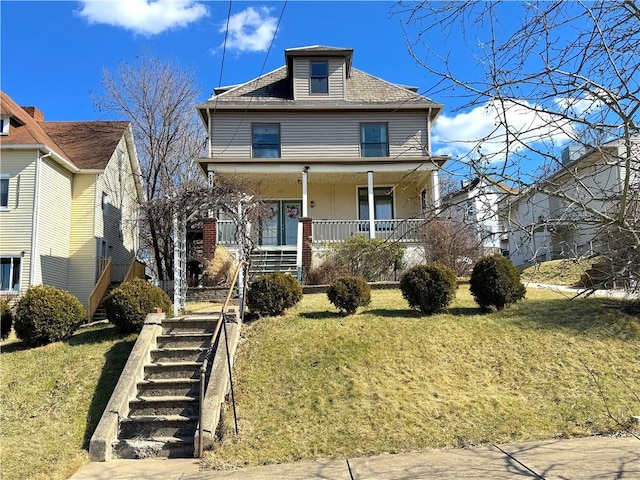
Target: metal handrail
<point>214,340</point>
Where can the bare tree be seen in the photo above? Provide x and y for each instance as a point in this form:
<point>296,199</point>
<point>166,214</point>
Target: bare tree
<point>553,74</point>
<point>159,98</point>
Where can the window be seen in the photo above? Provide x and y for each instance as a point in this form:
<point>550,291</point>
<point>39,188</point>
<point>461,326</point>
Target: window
<point>319,77</point>
<point>4,125</point>
<point>10,274</point>
<point>373,140</point>
<point>382,203</point>
<point>105,201</point>
<point>266,140</point>
<point>4,191</point>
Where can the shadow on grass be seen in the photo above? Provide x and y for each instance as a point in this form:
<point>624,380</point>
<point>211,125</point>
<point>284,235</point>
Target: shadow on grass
<point>15,346</point>
<point>114,361</point>
<point>326,315</point>
<point>394,313</point>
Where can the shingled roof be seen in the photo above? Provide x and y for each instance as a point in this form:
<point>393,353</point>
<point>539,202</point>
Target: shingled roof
<point>85,145</point>
<point>274,89</point>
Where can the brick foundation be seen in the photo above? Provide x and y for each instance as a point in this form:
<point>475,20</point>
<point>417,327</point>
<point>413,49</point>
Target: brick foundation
<point>209,236</point>
<point>307,246</point>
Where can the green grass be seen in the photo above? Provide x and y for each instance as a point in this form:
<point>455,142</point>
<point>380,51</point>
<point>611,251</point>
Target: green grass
<point>52,397</point>
<point>313,384</point>
<point>557,272</point>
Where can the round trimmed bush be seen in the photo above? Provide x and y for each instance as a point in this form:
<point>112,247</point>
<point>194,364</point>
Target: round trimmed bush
<point>273,293</point>
<point>349,293</point>
<point>429,288</point>
<point>6,319</point>
<point>127,306</point>
<point>46,314</point>
<point>495,283</point>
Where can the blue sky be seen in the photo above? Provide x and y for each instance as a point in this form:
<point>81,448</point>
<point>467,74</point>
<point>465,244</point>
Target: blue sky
<point>53,53</point>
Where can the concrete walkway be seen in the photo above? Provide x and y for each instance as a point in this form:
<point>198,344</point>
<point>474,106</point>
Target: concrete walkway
<point>573,291</point>
<point>594,458</point>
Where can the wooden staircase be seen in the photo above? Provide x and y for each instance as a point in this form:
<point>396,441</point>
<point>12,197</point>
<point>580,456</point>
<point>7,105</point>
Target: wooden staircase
<point>101,312</point>
<point>163,416</point>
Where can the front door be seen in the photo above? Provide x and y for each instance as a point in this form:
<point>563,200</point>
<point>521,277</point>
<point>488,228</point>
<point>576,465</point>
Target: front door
<point>280,227</point>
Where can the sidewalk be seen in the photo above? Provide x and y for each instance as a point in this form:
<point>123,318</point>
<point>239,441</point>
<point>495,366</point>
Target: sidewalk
<point>594,458</point>
<point>573,291</point>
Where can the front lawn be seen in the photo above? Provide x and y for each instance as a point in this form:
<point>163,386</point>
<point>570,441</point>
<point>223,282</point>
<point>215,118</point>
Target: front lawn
<point>52,397</point>
<point>314,384</point>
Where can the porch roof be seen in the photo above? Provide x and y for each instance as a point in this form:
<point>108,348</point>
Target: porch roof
<point>318,165</point>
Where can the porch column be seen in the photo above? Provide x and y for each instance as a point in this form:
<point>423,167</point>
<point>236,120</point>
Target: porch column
<point>304,191</point>
<point>209,237</point>
<point>372,209</point>
<point>306,247</point>
<point>435,188</point>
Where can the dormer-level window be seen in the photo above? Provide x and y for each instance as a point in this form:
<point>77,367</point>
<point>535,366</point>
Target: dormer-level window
<point>4,125</point>
<point>319,77</point>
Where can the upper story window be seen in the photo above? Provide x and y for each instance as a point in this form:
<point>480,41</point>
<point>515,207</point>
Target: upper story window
<point>4,125</point>
<point>266,140</point>
<point>319,77</point>
<point>4,191</point>
<point>374,140</point>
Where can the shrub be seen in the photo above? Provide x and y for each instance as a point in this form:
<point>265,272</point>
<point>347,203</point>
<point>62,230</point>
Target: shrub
<point>349,293</point>
<point>373,259</point>
<point>6,319</point>
<point>325,273</point>
<point>495,283</point>
<point>218,269</point>
<point>273,293</point>
<point>428,287</point>
<point>47,314</point>
<point>127,306</point>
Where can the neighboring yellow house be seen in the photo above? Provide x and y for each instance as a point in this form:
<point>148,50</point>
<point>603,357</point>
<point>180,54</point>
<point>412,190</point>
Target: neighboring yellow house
<point>346,152</point>
<point>69,200</point>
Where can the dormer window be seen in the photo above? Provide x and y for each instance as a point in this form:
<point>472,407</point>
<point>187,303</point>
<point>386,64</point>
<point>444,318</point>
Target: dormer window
<point>4,125</point>
<point>319,77</point>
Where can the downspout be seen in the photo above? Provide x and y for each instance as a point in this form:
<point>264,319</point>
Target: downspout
<point>210,132</point>
<point>36,218</point>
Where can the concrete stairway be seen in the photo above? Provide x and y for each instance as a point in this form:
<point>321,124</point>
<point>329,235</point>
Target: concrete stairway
<point>269,261</point>
<point>163,416</point>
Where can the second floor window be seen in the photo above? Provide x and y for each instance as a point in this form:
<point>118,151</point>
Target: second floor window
<point>319,77</point>
<point>266,140</point>
<point>4,192</point>
<point>374,141</point>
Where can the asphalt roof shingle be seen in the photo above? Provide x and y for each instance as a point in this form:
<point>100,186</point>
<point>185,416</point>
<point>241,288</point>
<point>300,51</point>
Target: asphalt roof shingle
<point>87,145</point>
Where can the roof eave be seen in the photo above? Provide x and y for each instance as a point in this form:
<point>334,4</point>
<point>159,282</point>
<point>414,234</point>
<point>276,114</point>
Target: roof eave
<point>63,162</point>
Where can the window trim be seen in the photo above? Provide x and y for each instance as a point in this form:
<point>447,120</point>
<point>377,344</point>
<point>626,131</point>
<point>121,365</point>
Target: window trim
<point>386,130</point>
<point>5,124</point>
<point>12,274</point>
<point>324,77</point>
<point>253,142</point>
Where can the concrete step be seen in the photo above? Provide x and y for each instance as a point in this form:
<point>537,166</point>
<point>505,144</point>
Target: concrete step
<point>187,340</point>
<point>187,387</point>
<point>196,325</point>
<point>169,405</point>
<point>167,447</point>
<point>178,354</point>
<point>166,370</point>
<point>153,427</point>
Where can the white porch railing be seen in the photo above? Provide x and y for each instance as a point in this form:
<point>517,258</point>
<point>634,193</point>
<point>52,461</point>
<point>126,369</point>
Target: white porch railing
<point>400,230</point>
<point>331,231</point>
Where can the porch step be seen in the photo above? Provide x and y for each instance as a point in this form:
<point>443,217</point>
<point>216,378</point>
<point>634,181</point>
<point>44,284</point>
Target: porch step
<point>271,261</point>
<point>101,312</point>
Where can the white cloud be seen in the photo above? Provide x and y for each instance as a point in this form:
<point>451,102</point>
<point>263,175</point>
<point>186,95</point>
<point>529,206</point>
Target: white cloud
<point>481,130</point>
<point>251,30</point>
<point>145,17</point>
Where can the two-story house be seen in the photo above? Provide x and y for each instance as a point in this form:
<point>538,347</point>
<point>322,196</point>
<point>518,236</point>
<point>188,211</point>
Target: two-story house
<point>476,204</point>
<point>335,151</point>
<point>69,199</point>
<point>563,216</point>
